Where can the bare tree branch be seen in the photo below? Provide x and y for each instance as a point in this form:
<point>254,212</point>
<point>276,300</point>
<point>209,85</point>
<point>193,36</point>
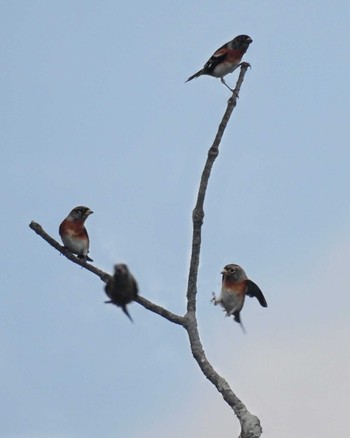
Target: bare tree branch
<point>172,317</point>
<point>250,424</point>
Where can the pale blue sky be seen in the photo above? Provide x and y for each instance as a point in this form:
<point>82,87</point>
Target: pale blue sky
<point>95,111</point>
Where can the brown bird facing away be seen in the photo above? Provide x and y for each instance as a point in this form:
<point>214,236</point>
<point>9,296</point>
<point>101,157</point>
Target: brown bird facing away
<point>122,288</point>
<point>235,287</point>
<point>225,60</point>
<point>73,232</point>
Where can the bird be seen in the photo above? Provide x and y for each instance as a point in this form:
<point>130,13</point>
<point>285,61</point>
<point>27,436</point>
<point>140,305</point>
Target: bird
<point>225,60</point>
<point>73,232</point>
<point>235,287</point>
<point>121,288</point>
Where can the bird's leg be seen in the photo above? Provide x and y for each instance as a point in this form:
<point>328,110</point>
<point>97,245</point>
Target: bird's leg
<point>223,81</point>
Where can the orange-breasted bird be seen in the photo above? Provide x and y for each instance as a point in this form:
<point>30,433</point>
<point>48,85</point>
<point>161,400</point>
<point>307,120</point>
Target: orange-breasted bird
<point>235,287</point>
<point>226,59</point>
<point>121,288</point>
<point>73,232</point>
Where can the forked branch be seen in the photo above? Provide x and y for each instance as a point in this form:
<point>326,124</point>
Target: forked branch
<point>250,424</point>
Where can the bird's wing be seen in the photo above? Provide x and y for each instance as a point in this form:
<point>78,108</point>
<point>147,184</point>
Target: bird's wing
<point>109,287</point>
<point>218,57</point>
<point>253,290</point>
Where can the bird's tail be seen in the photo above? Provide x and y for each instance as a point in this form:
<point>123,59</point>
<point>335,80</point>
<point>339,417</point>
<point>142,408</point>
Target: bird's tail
<point>199,73</point>
<point>125,310</point>
<point>237,318</point>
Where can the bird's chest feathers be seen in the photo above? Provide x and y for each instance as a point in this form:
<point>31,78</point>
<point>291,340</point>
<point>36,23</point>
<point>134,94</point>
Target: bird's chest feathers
<point>235,287</point>
<point>74,237</point>
<point>73,229</point>
<point>232,295</point>
<point>235,55</point>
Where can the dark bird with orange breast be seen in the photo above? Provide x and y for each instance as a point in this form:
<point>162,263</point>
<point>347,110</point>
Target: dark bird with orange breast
<point>235,287</point>
<point>122,288</point>
<point>73,232</point>
<point>226,59</point>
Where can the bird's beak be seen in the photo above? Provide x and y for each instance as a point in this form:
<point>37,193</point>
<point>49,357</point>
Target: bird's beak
<point>89,212</point>
<point>249,40</point>
<point>223,272</point>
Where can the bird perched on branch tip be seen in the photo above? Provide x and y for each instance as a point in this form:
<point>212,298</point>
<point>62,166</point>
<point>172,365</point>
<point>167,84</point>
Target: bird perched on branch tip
<point>225,60</point>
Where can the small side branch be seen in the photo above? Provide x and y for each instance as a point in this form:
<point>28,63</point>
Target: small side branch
<point>104,276</point>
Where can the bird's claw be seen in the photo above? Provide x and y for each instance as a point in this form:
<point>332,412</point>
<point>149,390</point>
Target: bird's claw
<point>245,65</point>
